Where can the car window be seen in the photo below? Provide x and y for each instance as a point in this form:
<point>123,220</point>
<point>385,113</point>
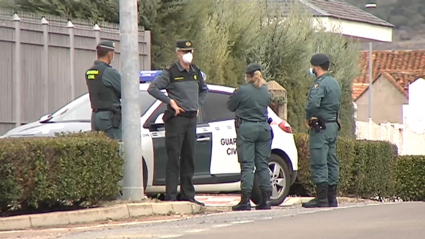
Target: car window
<point>215,107</point>
<point>80,109</point>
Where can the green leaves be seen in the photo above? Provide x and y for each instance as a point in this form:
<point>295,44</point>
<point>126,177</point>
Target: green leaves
<point>229,34</point>
<point>73,168</point>
<point>367,168</point>
<point>410,178</point>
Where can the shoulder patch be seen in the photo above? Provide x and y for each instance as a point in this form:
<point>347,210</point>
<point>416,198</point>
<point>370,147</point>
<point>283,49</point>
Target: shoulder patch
<point>316,85</point>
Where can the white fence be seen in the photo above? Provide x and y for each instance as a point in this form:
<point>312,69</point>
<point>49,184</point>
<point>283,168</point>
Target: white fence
<point>407,141</point>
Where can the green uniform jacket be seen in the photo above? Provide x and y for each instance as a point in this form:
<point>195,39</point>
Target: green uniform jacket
<point>324,98</point>
<point>254,99</point>
<point>112,78</point>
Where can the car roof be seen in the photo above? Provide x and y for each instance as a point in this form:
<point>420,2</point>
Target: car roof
<point>226,89</point>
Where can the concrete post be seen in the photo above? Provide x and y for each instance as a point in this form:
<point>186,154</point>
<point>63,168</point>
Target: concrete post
<point>97,30</point>
<point>129,57</point>
<point>17,70</point>
<point>71,59</point>
<point>45,65</point>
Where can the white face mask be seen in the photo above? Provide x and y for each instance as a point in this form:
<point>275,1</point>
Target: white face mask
<point>188,57</point>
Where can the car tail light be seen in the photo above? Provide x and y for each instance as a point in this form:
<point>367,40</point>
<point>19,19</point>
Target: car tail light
<point>285,127</point>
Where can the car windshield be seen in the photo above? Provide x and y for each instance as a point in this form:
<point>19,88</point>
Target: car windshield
<point>80,109</point>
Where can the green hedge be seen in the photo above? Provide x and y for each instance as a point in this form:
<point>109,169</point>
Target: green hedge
<point>411,178</point>
<point>366,167</point>
<point>72,169</point>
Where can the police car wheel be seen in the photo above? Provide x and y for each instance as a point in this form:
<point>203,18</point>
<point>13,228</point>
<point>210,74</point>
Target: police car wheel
<point>280,180</point>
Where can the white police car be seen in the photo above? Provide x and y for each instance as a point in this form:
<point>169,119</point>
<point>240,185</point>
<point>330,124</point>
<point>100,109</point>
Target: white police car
<point>216,164</point>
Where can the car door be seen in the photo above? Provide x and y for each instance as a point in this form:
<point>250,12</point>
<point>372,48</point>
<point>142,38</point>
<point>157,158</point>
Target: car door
<point>224,161</point>
<point>202,154</point>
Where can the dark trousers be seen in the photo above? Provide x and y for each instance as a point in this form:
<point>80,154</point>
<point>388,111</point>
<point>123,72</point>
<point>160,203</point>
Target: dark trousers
<point>180,139</point>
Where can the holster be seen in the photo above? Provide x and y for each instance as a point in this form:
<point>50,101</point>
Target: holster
<point>316,124</point>
<point>169,113</point>
<point>116,116</point>
<point>238,122</point>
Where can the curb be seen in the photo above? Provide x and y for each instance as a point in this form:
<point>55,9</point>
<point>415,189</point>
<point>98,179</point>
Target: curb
<point>300,200</point>
<point>117,212</point>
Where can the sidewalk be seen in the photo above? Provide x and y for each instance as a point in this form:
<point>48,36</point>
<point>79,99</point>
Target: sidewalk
<point>116,212</point>
<point>131,210</point>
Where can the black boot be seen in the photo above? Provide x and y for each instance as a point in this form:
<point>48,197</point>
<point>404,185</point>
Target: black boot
<point>321,199</point>
<point>245,203</point>
<point>333,202</point>
<point>265,201</point>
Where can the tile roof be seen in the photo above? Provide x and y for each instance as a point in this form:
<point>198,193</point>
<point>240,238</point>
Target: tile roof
<point>335,9</point>
<point>390,61</point>
<point>399,67</point>
<point>399,78</point>
<point>358,89</point>
<point>344,10</point>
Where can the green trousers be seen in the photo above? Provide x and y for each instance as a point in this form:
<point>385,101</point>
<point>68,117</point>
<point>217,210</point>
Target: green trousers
<point>323,161</point>
<point>102,121</point>
<point>254,149</point>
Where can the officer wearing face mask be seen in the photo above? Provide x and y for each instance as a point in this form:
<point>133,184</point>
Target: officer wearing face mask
<point>322,109</point>
<point>186,88</point>
<point>250,103</point>
<point>104,86</point>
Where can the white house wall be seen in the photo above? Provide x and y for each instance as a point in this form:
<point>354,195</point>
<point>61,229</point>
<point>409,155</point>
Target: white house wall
<point>355,29</point>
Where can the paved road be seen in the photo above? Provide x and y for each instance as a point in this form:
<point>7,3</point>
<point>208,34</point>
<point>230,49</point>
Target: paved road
<point>392,220</point>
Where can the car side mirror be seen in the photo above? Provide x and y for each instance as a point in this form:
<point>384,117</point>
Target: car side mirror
<point>44,118</point>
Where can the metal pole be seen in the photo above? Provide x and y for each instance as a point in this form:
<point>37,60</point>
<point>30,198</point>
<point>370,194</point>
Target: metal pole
<point>129,57</point>
<point>370,5</point>
<point>17,81</point>
<point>45,65</point>
<point>370,90</point>
<point>71,58</point>
<point>97,29</point>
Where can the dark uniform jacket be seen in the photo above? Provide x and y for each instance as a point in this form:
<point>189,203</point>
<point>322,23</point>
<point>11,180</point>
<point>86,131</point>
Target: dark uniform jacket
<point>104,86</point>
<point>186,87</point>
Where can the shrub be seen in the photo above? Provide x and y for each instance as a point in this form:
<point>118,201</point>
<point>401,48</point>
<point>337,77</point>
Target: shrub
<point>411,178</point>
<point>366,167</point>
<point>76,168</point>
<point>373,169</point>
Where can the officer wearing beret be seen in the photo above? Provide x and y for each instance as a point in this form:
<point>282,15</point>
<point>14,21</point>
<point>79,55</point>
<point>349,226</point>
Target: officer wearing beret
<point>250,103</point>
<point>186,88</point>
<point>322,109</point>
<point>104,86</point>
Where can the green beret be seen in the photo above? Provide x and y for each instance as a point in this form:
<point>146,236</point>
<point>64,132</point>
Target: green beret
<point>319,59</point>
<point>251,68</point>
<point>107,45</point>
<point>184,45</point>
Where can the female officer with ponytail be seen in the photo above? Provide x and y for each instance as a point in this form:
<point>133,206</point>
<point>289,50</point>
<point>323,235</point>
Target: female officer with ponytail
<point>250,103</point>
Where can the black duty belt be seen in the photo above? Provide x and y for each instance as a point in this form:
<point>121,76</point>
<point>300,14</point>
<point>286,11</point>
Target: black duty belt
<point>328,121</point>
<point>101,109</point>
<point>254,121</point>
<point>188,114</point>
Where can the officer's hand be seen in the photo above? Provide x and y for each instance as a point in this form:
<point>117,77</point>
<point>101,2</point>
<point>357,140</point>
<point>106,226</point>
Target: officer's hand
<point>176,107</point>
<point>306,123</point>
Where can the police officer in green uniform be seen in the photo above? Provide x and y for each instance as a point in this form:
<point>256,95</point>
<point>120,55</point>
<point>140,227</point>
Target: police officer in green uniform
<point>322,109</point>
<point>186,90</point>
<point>104,86</point>
<point>250,103</point>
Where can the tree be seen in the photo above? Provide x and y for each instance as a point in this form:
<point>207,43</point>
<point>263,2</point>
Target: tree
<point>234,34</point>
<point>224,38</point>
<point>229,34</point>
